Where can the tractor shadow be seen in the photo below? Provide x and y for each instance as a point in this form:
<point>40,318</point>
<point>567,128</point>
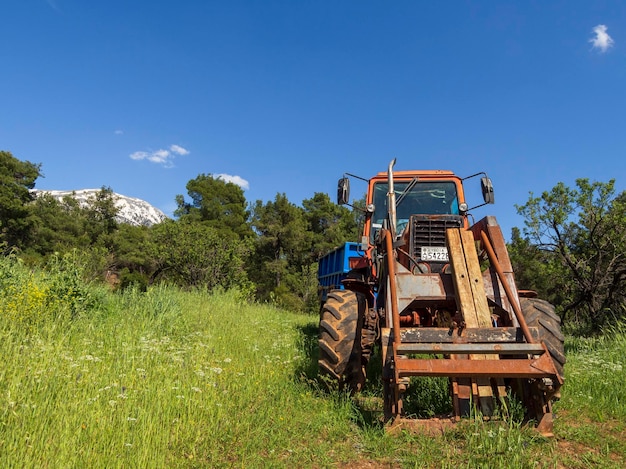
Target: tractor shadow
<point>367,407</point>
<point>426,397</point>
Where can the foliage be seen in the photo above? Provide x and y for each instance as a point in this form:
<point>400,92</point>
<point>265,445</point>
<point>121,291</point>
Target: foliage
<point>71,278</point>
<point>581,234</point>
<point>531,266</point>
<point>331,225</point>
<point>16,179</point>
<point>217,203</point>
<point>196,255</point>
<point>66,225</point>
<point>100,217</point>
<point>213,239</point>
<point>133,248</point>
<point>59,226</point>
<point>31,298</point>
<point>290,241</point>
<point>282,246</point>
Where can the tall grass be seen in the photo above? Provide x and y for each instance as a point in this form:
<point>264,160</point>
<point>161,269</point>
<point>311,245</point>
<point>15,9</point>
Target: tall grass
<point>165,378</point>
<point>161,379</point>
<point>597,373</point>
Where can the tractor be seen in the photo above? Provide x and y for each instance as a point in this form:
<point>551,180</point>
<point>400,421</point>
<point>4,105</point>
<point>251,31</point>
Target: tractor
<point>434,294</point>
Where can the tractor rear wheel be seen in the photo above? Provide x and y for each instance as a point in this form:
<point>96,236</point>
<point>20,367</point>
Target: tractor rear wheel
<point>340,354</point>
<point>540,314</point>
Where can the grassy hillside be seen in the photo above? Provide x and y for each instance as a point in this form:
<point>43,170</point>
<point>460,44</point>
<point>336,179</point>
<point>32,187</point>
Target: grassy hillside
<point>174,379</point>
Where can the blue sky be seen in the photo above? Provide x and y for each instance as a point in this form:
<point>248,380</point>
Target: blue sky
<point>286,96</point>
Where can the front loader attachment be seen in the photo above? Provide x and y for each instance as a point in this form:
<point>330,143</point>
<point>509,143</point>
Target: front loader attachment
<point>486,349</point>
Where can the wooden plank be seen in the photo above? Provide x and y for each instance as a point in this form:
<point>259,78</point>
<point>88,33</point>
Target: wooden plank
<point>475,278</point>
<point>471,298</point>
<point>460,276</point>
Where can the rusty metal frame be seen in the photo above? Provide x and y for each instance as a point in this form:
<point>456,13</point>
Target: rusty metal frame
<point>447,352</point>
<point>541,367</point>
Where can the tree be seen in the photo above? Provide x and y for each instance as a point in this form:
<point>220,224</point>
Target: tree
<point>330,224</point>
<point>101,213</point>
<point>16,179</point>
<point>529,263</point>
<point>133,249</point>
<point>196,255</point>
<point>282,247</point>
<point>61,226</point>
<point>58,226</point>
<point>217,203</point>
<point>581,234</point>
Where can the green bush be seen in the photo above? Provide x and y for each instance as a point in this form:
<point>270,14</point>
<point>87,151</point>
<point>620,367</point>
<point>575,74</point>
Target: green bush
<point>34,297</point>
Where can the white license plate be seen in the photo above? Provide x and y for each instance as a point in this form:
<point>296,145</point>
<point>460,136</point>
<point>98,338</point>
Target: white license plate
<point>435,253</point>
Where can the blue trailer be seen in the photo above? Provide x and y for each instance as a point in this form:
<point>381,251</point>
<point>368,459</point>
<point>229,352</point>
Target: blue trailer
<point>334,267</point>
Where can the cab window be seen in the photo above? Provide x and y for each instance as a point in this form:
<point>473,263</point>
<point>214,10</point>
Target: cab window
<point>414,198</point>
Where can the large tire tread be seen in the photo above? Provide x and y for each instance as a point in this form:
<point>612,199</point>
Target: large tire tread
<point>340,355</point>
<point>541,314</point>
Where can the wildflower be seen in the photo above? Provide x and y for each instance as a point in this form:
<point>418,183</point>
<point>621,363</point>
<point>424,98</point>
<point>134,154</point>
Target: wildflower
<point>217,370</point>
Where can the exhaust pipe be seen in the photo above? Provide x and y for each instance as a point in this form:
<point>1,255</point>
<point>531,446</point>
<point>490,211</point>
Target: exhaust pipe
<point>391,199</point>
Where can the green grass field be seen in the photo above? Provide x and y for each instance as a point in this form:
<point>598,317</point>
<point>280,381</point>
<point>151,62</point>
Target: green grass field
<point>187,379</point>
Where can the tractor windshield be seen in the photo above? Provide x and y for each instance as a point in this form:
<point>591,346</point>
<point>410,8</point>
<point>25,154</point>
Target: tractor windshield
<point>414,198</point>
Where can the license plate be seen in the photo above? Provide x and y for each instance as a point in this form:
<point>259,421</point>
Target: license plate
<point>435,253</point>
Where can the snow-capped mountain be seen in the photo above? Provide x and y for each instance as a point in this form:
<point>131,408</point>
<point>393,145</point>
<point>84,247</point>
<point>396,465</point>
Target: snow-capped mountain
<point>132,211</point>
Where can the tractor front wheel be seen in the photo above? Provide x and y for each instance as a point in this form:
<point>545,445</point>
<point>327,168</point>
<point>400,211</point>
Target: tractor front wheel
<point>340,354</point>
<point>540,314</point>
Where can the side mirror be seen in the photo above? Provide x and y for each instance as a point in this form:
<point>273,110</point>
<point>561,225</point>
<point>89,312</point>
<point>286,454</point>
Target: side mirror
<point>487,188</point>
<point>343,191</point>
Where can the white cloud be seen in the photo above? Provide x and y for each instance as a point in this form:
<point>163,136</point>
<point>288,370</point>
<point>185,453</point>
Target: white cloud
<point>139,155</point>
<point>179,150</point>
<point>602,40</point>
<point>119,132</point>
<point>161,156</point>
<point>241,182</point>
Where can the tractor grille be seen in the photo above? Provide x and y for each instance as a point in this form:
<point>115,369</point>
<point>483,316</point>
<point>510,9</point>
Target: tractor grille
<point>430,230</point>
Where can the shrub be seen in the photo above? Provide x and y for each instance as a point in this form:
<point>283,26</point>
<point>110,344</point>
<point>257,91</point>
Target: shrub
<point>29,298</point>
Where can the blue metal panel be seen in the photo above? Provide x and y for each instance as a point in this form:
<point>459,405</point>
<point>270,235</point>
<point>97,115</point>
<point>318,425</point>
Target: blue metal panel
<point>334,266</point>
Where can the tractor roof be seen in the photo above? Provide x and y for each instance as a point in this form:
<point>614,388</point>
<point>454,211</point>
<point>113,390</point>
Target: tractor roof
<point>434,173</point>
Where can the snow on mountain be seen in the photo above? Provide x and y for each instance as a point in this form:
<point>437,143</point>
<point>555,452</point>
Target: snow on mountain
<point>132,211</point>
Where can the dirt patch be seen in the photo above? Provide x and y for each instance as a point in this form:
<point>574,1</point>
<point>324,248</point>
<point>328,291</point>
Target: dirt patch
<point>575,445</point>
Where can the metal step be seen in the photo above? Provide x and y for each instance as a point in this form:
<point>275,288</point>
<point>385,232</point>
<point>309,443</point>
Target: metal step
<point>541,367</point>
<point>500,349</point>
